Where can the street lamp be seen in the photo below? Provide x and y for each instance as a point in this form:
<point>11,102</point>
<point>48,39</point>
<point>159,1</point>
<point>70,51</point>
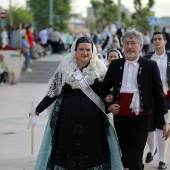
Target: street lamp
<point>119,13</point>
<point>51,13</point>
<point>10,14</point>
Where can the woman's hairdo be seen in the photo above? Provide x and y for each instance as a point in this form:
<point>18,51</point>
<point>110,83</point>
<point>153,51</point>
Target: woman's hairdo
<point>84,39</point>
<point>112,50</point>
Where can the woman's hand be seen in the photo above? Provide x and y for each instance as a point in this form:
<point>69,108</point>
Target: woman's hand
<point>35,113</point>
<point>109,98</point>
<point>114,109</point>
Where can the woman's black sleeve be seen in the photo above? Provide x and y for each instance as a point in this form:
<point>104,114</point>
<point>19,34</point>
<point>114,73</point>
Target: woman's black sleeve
<point>46,101</point>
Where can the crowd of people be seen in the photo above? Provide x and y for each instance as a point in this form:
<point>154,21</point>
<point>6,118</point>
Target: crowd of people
<point>35,44</point>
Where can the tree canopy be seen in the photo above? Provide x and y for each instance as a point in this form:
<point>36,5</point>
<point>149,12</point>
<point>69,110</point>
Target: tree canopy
<point>61,11</point>
<point>142,14</point>
<point>105,12</point>
<point>19,14</point>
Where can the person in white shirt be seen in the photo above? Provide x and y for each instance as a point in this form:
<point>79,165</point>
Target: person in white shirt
<point>49,33</point>
<point>107,39</point>
<point>146,43</point>
<point>43,39</point>
<point>4,37</point>
<point>163,59</point>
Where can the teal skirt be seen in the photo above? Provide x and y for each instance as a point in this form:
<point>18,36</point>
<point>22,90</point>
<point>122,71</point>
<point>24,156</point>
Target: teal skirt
<point>45,159</point>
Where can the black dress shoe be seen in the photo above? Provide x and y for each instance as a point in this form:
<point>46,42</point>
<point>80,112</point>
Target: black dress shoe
<point>162,165</point>
<point>149,157</point>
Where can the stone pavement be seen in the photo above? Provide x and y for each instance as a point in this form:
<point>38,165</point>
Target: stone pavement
<point>43,69</point>
<point>15,138</point>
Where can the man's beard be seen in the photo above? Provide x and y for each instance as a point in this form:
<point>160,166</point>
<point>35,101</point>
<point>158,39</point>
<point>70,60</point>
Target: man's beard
<point>132,55</point>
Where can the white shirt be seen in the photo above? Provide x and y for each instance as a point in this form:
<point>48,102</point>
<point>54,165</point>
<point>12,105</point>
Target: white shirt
<point>49,33</point>
<point>4,37</point>
<point>162,64</point>
<point>122,30</point>
<point>129,82</point>
<point>43,36</point>
<point>130,85</point>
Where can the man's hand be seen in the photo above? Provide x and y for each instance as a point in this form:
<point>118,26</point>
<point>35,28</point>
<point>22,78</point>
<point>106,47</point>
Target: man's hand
<point>114,109</point>
<point>109,98</point>
<point>166,132</point>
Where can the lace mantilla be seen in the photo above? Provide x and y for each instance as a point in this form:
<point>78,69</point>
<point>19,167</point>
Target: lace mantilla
<point>64,73</point>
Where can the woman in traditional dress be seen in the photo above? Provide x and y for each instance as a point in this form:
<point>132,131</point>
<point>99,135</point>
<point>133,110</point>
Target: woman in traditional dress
<point>78,135</point>
<point>112,54</point>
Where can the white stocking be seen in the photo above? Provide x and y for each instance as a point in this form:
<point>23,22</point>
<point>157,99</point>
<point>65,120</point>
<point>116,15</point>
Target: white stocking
<point>151,142</point>
<point>161,144</point>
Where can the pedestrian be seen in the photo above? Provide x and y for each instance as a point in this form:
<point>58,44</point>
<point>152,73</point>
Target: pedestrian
<point>120,32</point>
<point>49,33</point>
<point>167,46</point>
<point>112,54</point>
<point>162,58</point>
<point>78,134</point>
<point>107,36</point>
<point>3,71</point>
<point>146,43</point>
<point>4,37</point>
<point>30,39</point>
<point>43,36</point>
<point>55,40</point>
<point>135,81</point>
<point>26,52</point>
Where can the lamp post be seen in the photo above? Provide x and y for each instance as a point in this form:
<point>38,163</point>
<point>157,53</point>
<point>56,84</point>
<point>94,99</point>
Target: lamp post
<point>10,14</point>
<point>119,13</point>
<point>51,13</point>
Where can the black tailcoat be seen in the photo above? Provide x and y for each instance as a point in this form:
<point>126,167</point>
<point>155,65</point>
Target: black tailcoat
<point>155,123</point>
<point>149,84</point>
<point>168,65</point>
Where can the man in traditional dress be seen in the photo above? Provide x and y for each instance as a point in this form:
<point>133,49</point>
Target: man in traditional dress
<point>135,81</point>
<point>163,60</point>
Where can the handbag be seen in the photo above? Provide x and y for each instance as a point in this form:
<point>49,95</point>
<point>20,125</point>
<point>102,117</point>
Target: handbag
<point>24,50</point>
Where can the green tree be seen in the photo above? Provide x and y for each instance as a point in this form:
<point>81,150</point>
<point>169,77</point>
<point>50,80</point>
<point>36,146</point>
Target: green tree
<point>141,17</point>
<point>19,14</point>
<point>125,19</point>
<point>61,12</point>
<point>105,12</point>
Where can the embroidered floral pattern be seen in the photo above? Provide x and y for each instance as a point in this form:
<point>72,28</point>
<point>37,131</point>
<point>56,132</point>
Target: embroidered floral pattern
<point>65,71</point>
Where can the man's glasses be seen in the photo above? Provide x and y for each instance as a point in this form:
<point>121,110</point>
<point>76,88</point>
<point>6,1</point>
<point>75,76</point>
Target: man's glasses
<point>133,44</point>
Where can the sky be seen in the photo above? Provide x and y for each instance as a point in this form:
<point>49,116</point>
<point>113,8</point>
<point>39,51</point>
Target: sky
<point>161,7</point>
